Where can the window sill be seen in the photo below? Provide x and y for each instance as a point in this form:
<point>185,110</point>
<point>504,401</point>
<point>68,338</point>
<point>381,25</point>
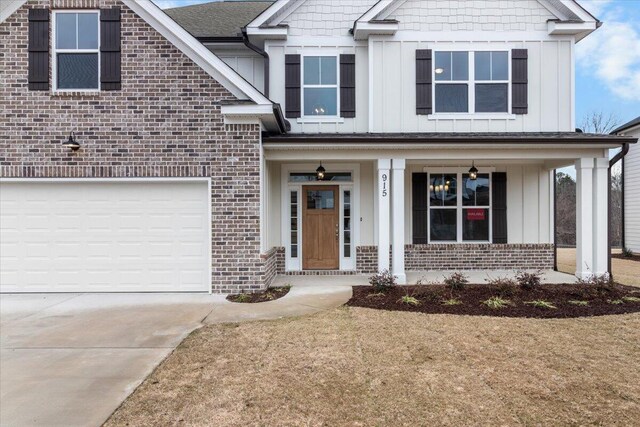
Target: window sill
<point>472,116</point>
<point>96,92</point>
<point>307,120</point>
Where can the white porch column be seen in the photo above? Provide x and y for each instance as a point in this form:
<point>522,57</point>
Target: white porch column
<point>584,218</point>
<point>383,213</point>
<point>601,216</point>
<point>397,193</point>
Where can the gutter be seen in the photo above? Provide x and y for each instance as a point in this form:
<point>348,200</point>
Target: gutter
<point>612,162</point>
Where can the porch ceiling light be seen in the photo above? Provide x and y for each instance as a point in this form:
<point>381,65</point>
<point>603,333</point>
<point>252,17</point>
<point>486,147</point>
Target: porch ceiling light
<point>71,143</point>
<point>473,172</point>
<point>439,70</point>
<point>320,172</point>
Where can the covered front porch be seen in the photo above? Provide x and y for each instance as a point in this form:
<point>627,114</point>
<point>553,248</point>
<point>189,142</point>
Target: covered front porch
<point>341,209</point>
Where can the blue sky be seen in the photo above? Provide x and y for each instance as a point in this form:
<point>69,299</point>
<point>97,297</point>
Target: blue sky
<point>607,62</point>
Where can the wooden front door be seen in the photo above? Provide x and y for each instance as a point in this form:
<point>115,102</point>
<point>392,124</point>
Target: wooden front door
<point>320,228</point>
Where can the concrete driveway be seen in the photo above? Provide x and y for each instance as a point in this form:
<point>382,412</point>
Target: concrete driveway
<point>71,359</point>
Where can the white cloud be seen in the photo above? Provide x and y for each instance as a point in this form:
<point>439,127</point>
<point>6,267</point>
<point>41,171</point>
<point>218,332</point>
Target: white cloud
<point>596,7</point>
<point>612,54</point>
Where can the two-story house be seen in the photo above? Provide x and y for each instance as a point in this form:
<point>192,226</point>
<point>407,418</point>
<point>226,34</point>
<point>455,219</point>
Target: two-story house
<point>220,145</point>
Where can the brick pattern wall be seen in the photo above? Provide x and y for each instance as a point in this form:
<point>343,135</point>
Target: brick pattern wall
<point>165,122</point>
<point>472,15</point>
<point>478,257</point>
<point>273,264</point>
<point>326,17</point>
<point>464,257</point>
<point>366,259</point>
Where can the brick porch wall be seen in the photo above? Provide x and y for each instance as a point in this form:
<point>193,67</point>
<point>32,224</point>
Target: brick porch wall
<point>464,257</point>
<point>273,264</point>
<point>165,122</point>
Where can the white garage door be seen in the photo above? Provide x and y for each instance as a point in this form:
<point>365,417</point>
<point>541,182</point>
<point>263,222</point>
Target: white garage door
<point>104,236</point>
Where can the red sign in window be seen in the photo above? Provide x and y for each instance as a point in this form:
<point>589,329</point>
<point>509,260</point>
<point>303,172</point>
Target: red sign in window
<point>476,214</point>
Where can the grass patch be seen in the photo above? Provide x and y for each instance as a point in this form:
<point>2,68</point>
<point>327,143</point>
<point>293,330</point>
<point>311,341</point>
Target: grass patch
<point>615,301</point>
<point>496,303</point>
<point>409,300</point>
<point>631,299</point>
<point>542,304</point>
<point>451,302</point>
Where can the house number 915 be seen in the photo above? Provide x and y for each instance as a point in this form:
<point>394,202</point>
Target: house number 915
<point>384,185</point>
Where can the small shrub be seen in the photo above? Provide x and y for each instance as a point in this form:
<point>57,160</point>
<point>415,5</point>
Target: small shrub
<point>242,297</point>
<point>627,253</point>
<point>456,281</point>
<point>631,299</point>
<point>496,303</point>
<point>601,283</point>
<point>579,302</point>
<point>542,304</point>
<point>409,300</point>
<point>529,280</point>
<point>382,281</point>
<point>451,302</point>
<point>615,301</point>
<point>505,286</point>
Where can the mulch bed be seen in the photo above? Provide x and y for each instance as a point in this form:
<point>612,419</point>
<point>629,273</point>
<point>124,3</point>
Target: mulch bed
<point>633,257</point>
<point>601,301</point>
<point>270,294</point>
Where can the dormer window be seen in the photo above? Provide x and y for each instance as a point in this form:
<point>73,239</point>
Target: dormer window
<point>320,86</point>
<point>76,55</point>
<point>471,82</point>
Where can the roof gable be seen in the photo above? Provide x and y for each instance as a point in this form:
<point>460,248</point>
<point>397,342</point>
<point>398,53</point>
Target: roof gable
<point>565,17</point>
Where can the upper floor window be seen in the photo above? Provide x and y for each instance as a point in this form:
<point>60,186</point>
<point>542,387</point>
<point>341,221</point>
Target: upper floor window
<point>472,82</point>
<point>320,86</point>
<point>76,51</point>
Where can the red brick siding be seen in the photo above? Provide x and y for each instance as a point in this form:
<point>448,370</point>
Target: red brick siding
<point>165,122</point>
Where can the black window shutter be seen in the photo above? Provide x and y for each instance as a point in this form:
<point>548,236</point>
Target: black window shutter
<point>292,86</point>
<point>420,194</point>
<point>110,61</point>
<point>520,81</point>
<point>499,207</point>
<point>423,82</point>
<point>38,49</point>
<point>348,86</point>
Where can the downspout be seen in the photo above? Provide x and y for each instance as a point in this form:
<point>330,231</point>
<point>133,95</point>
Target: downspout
<point>261,52</point>
<point>555,219</point>
<point>612,162</point>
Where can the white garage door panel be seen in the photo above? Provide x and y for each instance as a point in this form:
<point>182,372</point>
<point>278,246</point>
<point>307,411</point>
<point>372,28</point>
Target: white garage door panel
<point>104,236</point>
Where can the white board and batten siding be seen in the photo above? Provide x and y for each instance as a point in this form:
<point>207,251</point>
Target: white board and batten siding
<point>385,65</point>
<point>632,194</point>
<point>105,236</point>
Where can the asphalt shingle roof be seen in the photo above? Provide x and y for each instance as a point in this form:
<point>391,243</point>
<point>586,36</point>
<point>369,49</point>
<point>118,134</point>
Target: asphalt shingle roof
<point>217,19</point>
<point>632,123</point>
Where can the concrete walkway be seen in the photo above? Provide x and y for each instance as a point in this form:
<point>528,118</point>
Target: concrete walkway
<point>71,359</point>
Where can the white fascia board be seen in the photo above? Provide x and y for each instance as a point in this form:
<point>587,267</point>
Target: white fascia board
<point>272,33</point>
<point>581,30</point>
<point>8,8</point>
<point>248,114</point>
<point>580,11</point>
<point>376,10</point>
<point>196,51</point>
<point>269,13</point>
<point>363,30</point>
